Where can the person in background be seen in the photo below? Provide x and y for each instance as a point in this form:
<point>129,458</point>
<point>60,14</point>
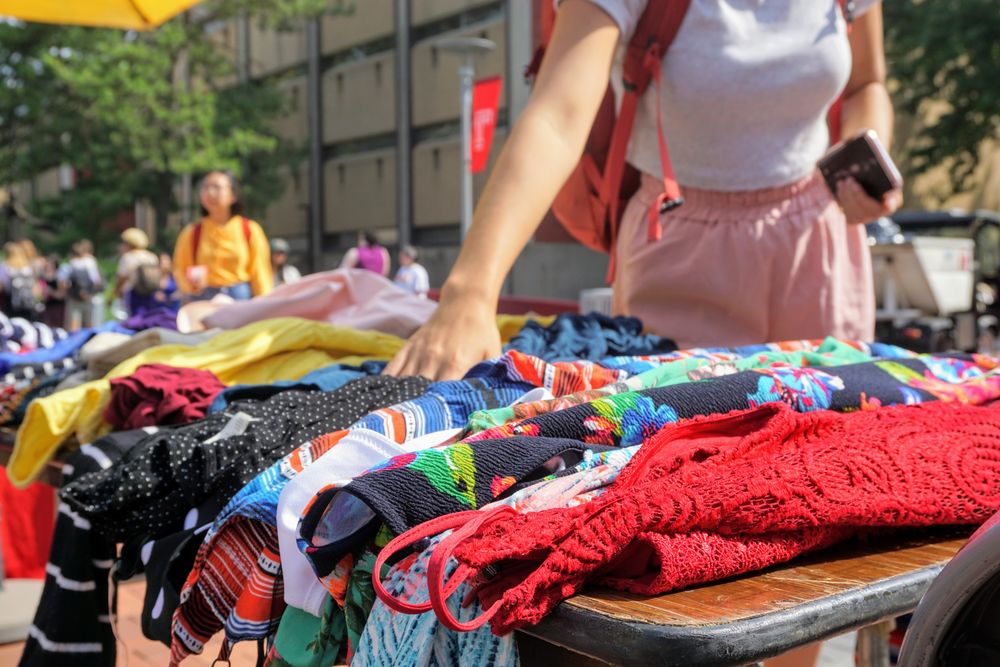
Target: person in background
<point>54,314</point>
<point>167,295</point>
<point>36,261</point>
<point>84,285</point>
<point>19,283</point>
<point>139,276</point>
<point>368,254</point>
<point>284,273</point>
<point>224,252</point>
<point>411,275</point>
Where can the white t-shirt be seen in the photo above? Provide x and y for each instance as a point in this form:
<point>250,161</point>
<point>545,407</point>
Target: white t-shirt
<point>413,279</point>
<point>746,88</point>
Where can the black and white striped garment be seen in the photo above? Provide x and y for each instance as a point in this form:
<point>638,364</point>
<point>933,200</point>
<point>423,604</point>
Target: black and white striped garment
<point>72,626</point>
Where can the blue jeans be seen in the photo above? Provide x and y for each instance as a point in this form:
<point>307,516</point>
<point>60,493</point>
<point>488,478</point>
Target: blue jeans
<point>239,292</point>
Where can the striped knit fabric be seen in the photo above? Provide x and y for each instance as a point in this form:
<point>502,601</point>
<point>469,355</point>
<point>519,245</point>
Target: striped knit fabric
<point>72,626</point>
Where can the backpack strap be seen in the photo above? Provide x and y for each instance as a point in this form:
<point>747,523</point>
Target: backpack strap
<point>196,236</point>
<point>654,33</point>
<point>195,242</point>
<point>246,228</point>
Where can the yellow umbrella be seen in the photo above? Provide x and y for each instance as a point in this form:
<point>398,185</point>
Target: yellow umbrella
<point>126,14</point>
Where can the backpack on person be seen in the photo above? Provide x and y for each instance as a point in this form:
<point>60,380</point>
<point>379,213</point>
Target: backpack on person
<point>590,204</point>
<point>82,286</point>
<point>23,294</point>
<point>148,279</point>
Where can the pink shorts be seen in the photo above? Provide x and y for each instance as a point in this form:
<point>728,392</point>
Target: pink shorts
<point>738,268</point>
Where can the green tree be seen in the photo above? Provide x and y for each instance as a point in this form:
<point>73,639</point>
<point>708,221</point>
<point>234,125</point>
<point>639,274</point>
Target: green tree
<point>130,112</point>
<point>945,58</point>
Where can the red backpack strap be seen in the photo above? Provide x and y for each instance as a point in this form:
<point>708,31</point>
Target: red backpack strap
<point>195,242</point>
<point>246,228</point>
<point>654,34</point>
<point>833,117</point>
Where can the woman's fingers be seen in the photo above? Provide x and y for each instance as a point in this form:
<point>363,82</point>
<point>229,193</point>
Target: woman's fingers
<point>859,207</point>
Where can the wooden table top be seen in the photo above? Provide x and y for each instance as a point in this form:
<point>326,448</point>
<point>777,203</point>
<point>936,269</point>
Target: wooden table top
<point>749,618</point>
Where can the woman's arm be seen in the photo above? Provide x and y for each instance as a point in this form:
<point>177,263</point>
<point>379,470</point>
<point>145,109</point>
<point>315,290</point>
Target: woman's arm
<point>867,106</point>
<point>543,148</point>
<point>350,260</point>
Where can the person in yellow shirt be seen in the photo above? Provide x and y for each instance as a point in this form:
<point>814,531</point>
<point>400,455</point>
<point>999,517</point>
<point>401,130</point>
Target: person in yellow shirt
<point>224,252</point>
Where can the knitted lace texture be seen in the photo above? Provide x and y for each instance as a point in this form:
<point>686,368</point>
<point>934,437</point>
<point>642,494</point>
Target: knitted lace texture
<point>719,496</point>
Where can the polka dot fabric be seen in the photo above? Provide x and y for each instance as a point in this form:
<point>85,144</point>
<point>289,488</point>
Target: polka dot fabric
<point>151,490</point>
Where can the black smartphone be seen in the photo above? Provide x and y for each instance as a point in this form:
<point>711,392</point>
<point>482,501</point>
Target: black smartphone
<point>864,159</point>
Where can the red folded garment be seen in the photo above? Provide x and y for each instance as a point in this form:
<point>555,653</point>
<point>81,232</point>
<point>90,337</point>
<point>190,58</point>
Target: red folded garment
<point>720,496</point>
<point>160,395</point>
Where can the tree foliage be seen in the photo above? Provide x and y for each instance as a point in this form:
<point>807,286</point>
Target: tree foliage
<point>945,58</point>
<point>130,112</point>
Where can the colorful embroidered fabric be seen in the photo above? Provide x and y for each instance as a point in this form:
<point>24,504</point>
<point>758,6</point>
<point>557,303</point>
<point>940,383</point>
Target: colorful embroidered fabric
<point>686,366</point>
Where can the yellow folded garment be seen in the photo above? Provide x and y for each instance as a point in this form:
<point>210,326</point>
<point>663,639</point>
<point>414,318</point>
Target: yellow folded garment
<point>511,325</point>
<point>260,353</point>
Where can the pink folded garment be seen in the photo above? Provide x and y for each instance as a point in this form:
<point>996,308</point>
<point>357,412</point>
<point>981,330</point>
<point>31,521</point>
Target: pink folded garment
<point>348,297</point>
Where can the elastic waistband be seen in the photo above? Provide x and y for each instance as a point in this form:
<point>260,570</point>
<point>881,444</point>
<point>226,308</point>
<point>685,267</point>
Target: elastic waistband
<point>806,194</point>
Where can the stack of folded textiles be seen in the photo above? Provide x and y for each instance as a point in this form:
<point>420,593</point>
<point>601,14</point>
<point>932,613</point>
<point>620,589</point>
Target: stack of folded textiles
<point>271,505</point>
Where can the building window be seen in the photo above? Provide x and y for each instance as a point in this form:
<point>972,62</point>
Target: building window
<point>378,73</point>
<point>436,159</point>
<point>341,174</point>
<point>340,83</point>
<point>379,167</point>
<point>434,56</point>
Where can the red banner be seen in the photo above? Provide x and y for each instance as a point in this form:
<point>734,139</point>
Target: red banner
<point>485,103</point>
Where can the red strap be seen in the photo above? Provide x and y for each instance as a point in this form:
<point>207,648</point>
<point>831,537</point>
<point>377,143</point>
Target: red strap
<point>670,197</point>
<point>195,242</point>
<point>656,30</point>
<point>409,538</point>
<point>246,229</point>
<point>440,591</point>
<point>196,237</point>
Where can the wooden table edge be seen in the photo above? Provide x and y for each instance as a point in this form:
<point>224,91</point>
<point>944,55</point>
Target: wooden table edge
<point>625,641</point>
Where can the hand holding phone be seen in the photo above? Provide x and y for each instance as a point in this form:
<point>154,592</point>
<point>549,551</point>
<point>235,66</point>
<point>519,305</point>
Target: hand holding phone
<point>863,178</point>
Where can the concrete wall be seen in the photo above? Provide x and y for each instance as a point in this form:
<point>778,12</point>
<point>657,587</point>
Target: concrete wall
<point>273,50</point>
<point>425,11</point>
<point>547,270</point>
<point>370,20</point>
<point>293,124</point>
<point>360,192</point>
<point>435,72</point>
<point>359,99</point>
<point>288,216</point>
<point>436,174</point>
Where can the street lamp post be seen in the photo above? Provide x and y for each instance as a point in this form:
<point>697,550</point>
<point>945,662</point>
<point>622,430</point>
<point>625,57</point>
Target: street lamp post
<point>469,47</point>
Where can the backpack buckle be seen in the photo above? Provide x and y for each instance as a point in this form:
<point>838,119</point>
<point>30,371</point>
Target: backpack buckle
<point>670,204</point>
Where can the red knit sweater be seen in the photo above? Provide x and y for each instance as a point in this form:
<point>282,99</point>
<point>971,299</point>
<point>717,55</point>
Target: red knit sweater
<point>719,496</point>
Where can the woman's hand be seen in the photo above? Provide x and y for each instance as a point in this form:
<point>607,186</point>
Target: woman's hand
<point>860,208</point>
<point>461,333</point>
